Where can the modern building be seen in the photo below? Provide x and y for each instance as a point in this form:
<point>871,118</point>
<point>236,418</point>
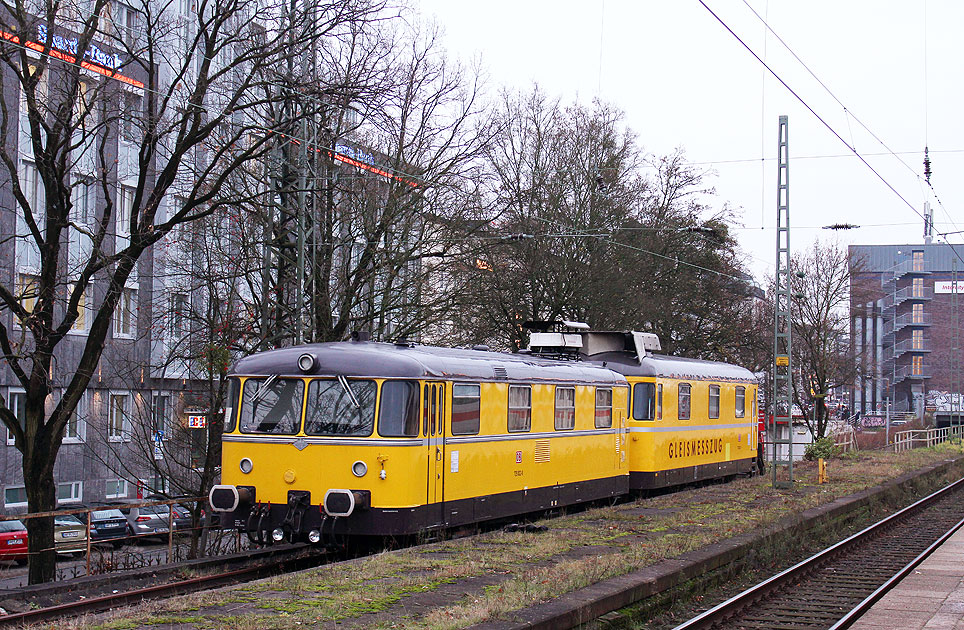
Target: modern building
<point>905,327</point>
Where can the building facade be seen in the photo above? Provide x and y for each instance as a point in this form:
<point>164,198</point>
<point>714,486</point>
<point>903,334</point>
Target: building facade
<point>905,327</point>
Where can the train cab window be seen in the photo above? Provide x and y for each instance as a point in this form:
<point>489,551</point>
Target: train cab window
<point>740,403</point>
<point>714,403</point>
<point>565,408</point>
<point>520,408</point>
<point>398,409</point>
<point>604,408</point>
<point>272,405</point>
<point>340,407</point>
<point>644,401</point>
<point>466,408</point>
<point>683,402</point>
<point>231,406</point>
<point>659,402</point>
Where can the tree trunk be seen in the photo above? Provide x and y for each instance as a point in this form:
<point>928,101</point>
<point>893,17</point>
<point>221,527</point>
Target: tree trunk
<point>38,477</point>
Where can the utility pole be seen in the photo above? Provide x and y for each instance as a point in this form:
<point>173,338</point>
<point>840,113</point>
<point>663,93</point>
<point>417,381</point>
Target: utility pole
<point>782,355</point>
<point>955,354</point>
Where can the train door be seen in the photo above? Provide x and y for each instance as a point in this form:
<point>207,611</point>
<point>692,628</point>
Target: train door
<point>433,423</point>
<point>620,418</point>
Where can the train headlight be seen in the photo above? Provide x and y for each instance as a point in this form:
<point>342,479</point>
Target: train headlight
<point>246,465</point>
<point>277,534</point>
<point>359,468</point>
<point>306,362</point>
<point>314,536</point>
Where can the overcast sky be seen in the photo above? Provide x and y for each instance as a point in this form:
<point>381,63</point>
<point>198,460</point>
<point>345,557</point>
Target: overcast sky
<point>685,81</point>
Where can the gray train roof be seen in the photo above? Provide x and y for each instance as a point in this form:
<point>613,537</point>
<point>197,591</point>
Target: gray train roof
<point>676,367</point>
<point>385,360</point>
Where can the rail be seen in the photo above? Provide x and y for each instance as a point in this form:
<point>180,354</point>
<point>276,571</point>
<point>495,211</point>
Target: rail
<point>917,438</point>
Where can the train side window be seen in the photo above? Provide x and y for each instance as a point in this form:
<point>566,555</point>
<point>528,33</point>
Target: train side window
<point>659,402</point>
<point>426,418</point>
<point>683,402</point>
<point>644,401</point>
<point>565,408</point>
<point>740,403</point>
<point>272,405</point>
<point>520,408</point>
<point>340,407</point>
<point>604,408</point>
<point>231,408</point>
<point>466,409</point>
<point>714,403</point>
<point>398,409</point>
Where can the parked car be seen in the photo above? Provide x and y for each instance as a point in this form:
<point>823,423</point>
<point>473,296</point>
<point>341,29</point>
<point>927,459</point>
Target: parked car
<point>13,542</point>
<point>70,535</point>
<point>107,525</point>
<point>144,521</point>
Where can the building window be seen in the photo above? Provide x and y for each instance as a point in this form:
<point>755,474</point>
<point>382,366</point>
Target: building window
<point>466,408</point>
<point>917,313</point>
<point>740,404</point>
<point>76,429</point>
<point>918,260</point>
<point>714,401</point>
<point>27,289</point>
<point>118,424</point>
<point>160,416</point>
<point>70,492</point>
<point>604,408</point>
<point>80,324</point>
<point>917,288</point>
<point>683,402</point>
<point>15,496</point>
<point>917,339</point>
<point>520,408</point>
<point>131,118</point>
<point>28,252</point>
<point>124,314</point>
<point>179,314</point>
<point>917,365</point>
<point>116,489</point>
<point>16,402</point>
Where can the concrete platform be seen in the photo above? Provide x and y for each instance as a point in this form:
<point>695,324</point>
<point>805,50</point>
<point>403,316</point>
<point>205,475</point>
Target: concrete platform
<point>931,598</point>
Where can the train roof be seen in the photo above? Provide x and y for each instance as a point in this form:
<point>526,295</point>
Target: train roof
<point>629,364</point>
<point>386,360</point>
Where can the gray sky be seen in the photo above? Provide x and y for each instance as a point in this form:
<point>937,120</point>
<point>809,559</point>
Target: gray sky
<point>685,81</point>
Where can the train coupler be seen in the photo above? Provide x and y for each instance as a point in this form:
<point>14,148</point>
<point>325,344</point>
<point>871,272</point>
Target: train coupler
<point>257,523</point>
<point>298,502</point>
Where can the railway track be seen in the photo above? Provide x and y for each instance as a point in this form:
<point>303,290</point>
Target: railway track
<point>290,558</point>
<point>834,587</point>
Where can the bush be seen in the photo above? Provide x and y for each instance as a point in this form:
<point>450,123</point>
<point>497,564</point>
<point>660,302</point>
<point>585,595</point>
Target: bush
<point>821,449</point>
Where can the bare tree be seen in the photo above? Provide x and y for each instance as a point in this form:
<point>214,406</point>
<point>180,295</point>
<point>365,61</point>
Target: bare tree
<point>823,358</point>
<point>131,105</point>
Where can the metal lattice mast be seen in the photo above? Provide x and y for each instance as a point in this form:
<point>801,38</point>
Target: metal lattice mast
<point>782,361</point>
<point>955,349</point>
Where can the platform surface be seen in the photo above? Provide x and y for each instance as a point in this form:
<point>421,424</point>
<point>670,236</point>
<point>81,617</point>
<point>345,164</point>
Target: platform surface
<point>932,597</point>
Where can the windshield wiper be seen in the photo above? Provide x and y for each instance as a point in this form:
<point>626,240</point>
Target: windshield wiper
<point>263,389</point>
<point>345,386</point>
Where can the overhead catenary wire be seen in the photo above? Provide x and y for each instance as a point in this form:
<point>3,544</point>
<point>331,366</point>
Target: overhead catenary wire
<point>822,121</point>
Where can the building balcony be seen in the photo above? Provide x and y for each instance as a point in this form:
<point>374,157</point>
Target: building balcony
<point>912,373</point>
<point>908,294</point>
<point>907,345</point>
<point>907,320</point>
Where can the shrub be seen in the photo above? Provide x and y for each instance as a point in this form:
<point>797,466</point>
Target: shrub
<point>823,448</point>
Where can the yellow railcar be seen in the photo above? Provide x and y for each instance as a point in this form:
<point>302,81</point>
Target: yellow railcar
<point>375,439</point>
<point>690,419</point>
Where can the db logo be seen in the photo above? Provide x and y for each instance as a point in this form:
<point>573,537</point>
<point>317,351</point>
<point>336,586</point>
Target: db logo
<point>518,457</point>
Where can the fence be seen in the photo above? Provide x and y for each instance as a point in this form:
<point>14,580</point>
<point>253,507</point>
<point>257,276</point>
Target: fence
<point>845,439</point>
<point>916,438</point>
